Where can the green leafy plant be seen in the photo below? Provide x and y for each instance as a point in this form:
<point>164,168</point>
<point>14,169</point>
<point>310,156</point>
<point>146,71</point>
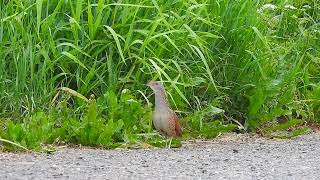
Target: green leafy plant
<point>32,133</point>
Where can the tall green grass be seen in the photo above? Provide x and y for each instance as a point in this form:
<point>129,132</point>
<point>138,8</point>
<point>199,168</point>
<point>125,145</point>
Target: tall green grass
<point>256,63</point>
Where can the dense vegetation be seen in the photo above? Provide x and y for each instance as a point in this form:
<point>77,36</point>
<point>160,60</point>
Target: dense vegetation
<point>75,71</point>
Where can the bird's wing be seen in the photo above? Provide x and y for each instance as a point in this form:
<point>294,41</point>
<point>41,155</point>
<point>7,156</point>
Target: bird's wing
<point>177,126</point>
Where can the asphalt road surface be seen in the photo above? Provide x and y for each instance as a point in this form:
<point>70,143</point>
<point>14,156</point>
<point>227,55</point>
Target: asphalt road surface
<point>227,157</point>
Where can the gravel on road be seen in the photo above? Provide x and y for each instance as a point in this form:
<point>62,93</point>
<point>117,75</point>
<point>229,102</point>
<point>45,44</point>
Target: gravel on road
<point>227,157</point>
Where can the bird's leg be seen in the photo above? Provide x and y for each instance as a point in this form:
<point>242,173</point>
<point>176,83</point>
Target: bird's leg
<point>166,142</point>
<point>170,142</point>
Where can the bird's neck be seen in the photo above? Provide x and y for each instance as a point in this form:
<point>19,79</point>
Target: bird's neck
<point>161,100</point>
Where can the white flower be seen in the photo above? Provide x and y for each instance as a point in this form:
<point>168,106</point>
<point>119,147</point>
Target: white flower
<point>290,7</point>
<point>268,7</point>
<point>306,7</point>
<point>124,91</point>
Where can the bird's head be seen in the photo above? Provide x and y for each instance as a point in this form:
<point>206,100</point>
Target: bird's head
<point>156,86</point>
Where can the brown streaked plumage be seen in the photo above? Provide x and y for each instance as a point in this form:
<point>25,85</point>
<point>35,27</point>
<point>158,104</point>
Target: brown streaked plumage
<point>165,120</point>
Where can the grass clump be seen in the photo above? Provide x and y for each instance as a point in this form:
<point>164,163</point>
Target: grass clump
<point>252,60</point>
<point>89,128</point>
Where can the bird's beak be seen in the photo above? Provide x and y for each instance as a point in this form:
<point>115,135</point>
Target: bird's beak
<point>148,84</point>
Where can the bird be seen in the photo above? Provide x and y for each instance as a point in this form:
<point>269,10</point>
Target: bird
<point>165,119</point>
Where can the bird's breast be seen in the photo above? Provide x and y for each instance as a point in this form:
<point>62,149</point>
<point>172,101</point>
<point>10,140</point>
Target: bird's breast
<point>160,120</point>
